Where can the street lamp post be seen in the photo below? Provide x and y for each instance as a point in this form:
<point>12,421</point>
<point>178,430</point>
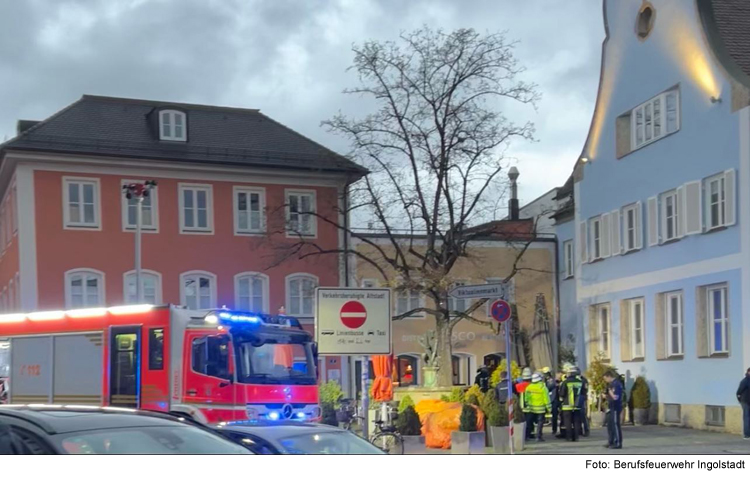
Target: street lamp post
<point>138,191</point>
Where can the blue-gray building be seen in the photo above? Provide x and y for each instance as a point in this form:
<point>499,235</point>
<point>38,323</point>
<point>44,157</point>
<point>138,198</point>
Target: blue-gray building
<point>654,223</point>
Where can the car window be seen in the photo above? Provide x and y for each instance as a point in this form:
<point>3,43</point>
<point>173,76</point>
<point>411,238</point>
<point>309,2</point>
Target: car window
<point>30,442</point>
<point>149,440</point>
<point>333,442</point>
<point>255,444</point>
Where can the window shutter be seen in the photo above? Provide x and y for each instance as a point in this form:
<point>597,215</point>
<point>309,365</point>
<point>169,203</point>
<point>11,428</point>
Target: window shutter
<point>701,322</point>
<point>653,222</point>
<point>604,236</point>
<point>693,208</point>
<point>614,220</point>
<point>730,196</point>
<point>582,242</point>
<point>625,331</point>
<point>661,328</point>
<point>681,213</point>
<point>639,225</point>
<point>593,344</point>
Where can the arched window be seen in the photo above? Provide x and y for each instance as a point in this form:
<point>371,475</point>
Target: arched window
<point>172,125</point>
<point>198,290</point>
<point>645,21</point>
<point>462,369</point>
<point>300,294</point>
<point>251,292</point>
<point>84,287</point>
<point>150,287</point>
<point>407,370</point>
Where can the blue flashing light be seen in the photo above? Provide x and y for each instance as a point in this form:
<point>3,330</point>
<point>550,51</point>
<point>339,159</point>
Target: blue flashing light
<point>273,416</point>
<point>239,317</point>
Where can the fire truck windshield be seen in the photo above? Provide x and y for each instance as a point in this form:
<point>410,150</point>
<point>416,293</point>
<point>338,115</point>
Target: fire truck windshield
<point>275,362</point>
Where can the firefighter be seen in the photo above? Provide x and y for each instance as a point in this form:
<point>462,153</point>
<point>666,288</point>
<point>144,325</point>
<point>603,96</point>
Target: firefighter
<point>520,388</point>
<point>483,379</point>
<point>583,406</point>
<point>570,398</point>
<point>552,385</point>
<point>537,405</point>
<point>501,390</point>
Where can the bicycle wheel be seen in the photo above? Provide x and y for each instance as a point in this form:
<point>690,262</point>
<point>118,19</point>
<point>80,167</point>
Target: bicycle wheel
<point>390,443</point>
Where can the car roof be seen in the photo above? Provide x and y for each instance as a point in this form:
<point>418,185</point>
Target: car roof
<point>55,419</point>
<point>277,430</point>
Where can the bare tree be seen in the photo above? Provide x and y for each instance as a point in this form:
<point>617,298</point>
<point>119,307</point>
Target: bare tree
<point>435,150</point>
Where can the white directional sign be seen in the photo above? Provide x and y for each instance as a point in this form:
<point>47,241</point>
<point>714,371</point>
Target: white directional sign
<point>484,291</point>
<point>353,321</point>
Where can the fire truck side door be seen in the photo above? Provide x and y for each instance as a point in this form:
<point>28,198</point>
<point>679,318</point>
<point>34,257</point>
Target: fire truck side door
<point>209,378</point>
<point>125,366</point>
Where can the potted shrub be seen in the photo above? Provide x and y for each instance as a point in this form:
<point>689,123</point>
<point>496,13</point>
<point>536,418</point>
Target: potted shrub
<point>498,436</point>
<point>641,396</point>
<point>330,395</point>
<point>597,389</point>
<point>519,426</point>
<point>410,427</point>
<point>467,440</point>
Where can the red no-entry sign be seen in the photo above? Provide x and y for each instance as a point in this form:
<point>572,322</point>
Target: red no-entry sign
<point>353,314</point>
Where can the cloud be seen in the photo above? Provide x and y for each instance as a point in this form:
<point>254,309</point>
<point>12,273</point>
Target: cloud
<point>289,58</point>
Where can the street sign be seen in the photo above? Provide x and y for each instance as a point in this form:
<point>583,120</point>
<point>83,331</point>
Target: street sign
<point>484,291</point>
<point>500,311</point>
<point>353,321</point>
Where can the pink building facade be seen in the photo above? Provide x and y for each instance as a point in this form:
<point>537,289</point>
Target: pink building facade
<point>235,195</point>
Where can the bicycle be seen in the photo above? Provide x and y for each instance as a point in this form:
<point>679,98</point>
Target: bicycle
<point>387,438</point>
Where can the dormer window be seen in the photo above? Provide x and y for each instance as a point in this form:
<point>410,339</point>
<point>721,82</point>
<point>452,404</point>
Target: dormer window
<point>172,126</point>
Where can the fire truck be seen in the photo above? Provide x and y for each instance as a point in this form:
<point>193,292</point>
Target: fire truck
<point>212,366</point>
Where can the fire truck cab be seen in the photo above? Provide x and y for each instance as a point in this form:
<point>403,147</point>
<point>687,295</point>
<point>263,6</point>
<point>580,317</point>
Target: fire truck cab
<point>212,366</point>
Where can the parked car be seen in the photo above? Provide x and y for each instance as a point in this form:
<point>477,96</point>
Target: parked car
<point>296,438</point>
<point>56,429</point>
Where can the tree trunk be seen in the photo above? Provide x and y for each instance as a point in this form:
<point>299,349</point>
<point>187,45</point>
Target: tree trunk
<point>444,333</point>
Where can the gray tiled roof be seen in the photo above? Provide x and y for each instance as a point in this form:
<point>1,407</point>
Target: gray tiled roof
<point>727,25</point>
<point>109,126</point>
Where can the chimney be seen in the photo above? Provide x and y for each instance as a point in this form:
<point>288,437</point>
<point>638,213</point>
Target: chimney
<point>24,125</point>
<point>513,209</point>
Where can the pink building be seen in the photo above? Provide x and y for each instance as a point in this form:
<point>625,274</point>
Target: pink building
<point>233,189</point>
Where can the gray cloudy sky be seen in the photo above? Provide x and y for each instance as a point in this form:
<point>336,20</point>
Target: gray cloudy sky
<point>288,58</point>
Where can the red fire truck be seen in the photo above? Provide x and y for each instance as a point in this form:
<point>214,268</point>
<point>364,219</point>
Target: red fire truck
<point>213,366</point>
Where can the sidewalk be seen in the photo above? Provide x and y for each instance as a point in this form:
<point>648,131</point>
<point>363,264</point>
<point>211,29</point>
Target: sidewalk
<point>641,440</point>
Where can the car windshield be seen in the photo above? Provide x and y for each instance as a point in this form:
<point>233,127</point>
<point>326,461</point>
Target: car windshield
<point>277,363</point>
<point>149,440</point>
<point>331,442</point>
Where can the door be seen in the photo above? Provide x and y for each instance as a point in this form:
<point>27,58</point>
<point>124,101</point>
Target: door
<point>209,376</point>
<point>125,367</point>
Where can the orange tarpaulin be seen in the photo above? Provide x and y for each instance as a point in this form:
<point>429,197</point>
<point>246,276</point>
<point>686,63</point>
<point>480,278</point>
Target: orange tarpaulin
<point>382,387</point>
<point>439,419</point>
<point>283,355</point>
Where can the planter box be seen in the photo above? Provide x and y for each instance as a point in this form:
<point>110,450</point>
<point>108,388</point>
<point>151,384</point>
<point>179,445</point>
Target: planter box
<point>519,436</point>
<point>640,416</point>
<point>498,439</point>
<point>414,444</point>
<point>597,419</point>
<point>467,442</point>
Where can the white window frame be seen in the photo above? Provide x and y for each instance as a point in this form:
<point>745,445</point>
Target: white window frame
<point>724,320</point>
<point>247,190</point>
<point>172,116</point>
<point>568,257</point>
<point>288,293</point>
<point>153,197</point>
<point>722,203</point>
<point>600,322</point>
<point>649,106</point>
<point>157,289</point>
<point>637,306</point>
<point>668,297</point>
<point>197,274</point>
<point>676,215</point>
<point>627,229</point>
<point>67,223</point>
<point>182,188</point>
<point>313,218</point>
<point>407,294</point>
<point>84,272</point>
<point>265,282</point>
<point>596,242</point>
<point>453,302</point>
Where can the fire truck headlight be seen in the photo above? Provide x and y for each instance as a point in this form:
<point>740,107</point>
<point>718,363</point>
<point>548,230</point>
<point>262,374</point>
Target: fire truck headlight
<point>300,415</point>
<point>212,319</point>
<point>273,416</point>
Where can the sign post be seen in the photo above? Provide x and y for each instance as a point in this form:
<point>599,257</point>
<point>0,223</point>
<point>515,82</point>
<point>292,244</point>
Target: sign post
<point>501,312</point>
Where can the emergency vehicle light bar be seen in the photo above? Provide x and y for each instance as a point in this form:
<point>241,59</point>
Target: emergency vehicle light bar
<point>75,313</point>
<point>226,316</point>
